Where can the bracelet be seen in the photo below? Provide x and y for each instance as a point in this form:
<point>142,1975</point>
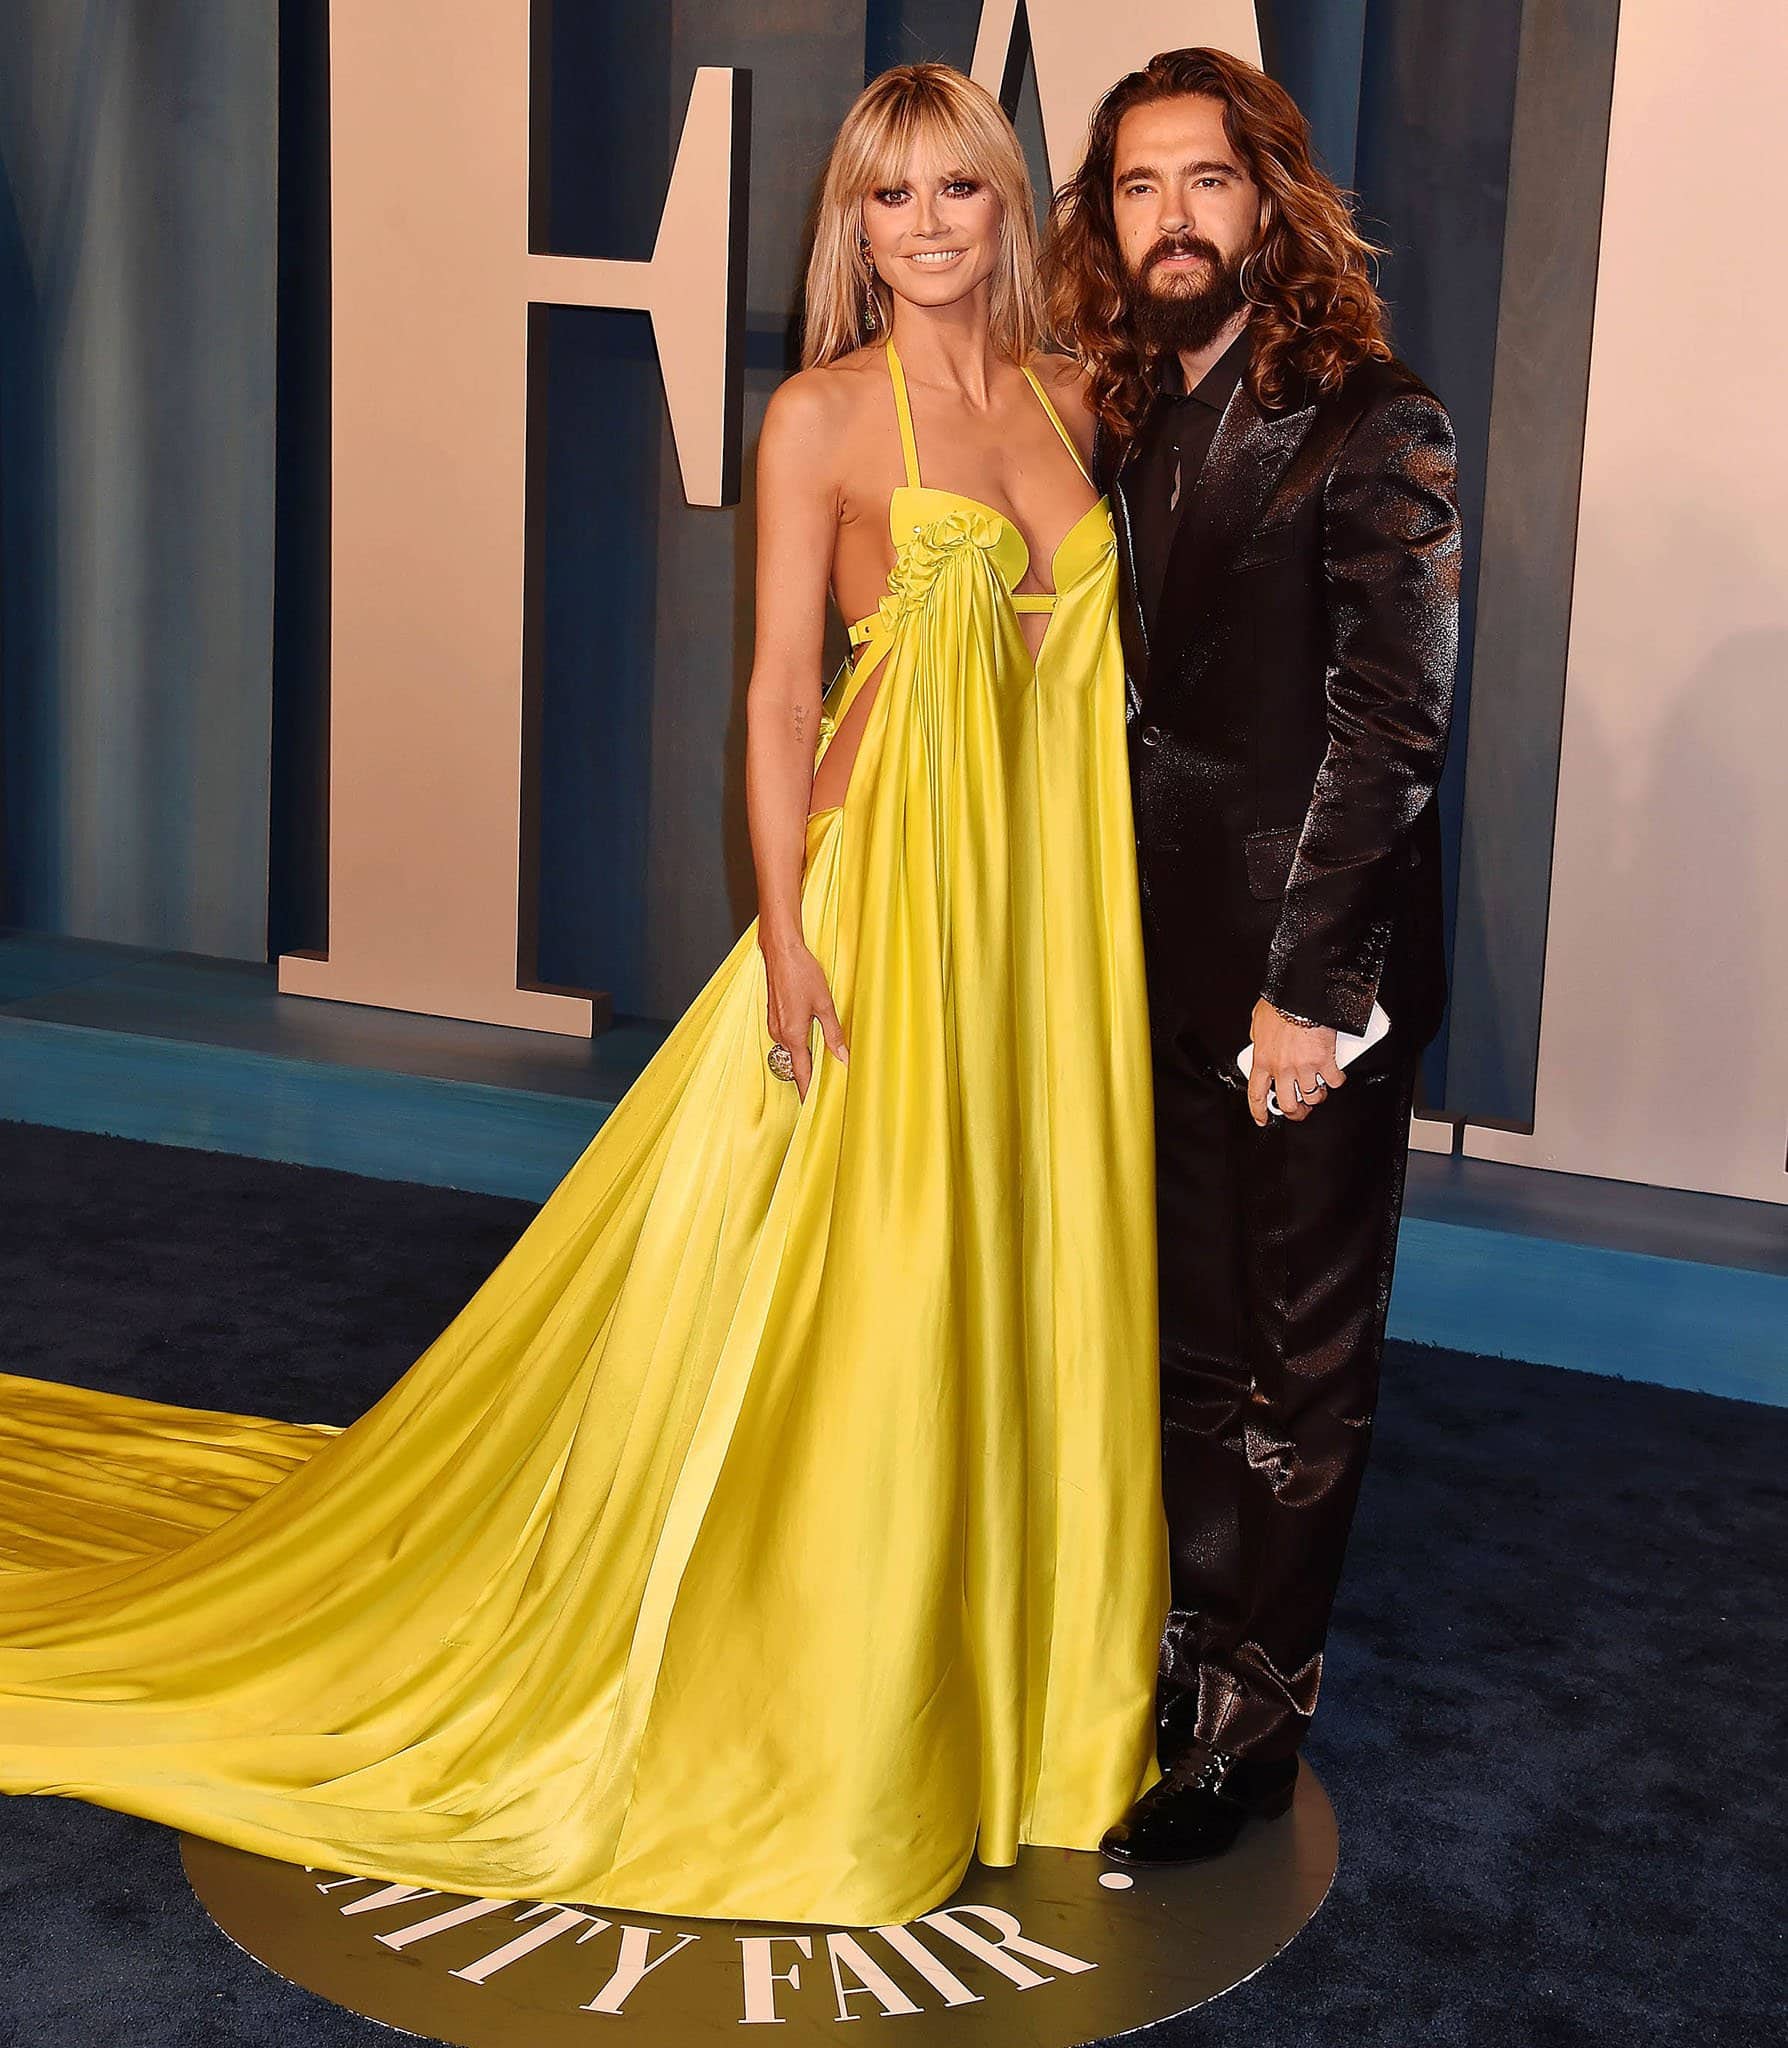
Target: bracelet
<point>1291,1017</point>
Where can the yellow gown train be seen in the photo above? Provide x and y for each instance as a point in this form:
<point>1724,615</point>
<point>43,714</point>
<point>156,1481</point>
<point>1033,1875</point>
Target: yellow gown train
<point>779,1524</point>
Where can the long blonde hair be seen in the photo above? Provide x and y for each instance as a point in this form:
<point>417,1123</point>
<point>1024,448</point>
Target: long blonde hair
<point>968,129</point>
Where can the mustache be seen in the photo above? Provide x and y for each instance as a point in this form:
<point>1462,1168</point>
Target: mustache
<point>1181,245</point>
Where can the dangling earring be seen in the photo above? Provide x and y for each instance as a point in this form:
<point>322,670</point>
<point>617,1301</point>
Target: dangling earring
<point>872,312</point>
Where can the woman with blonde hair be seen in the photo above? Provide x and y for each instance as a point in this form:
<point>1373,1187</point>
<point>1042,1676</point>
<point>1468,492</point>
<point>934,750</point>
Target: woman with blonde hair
<point>777,1527</point>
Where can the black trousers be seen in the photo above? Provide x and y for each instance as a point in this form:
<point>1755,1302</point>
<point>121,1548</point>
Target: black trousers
<point>1276,1250</point>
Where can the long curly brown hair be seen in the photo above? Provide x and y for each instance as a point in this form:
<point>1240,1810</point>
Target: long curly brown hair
<point>1308,278</point>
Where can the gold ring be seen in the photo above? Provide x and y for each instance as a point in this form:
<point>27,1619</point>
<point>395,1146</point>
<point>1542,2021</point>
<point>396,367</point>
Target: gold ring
<point>781,1062</point>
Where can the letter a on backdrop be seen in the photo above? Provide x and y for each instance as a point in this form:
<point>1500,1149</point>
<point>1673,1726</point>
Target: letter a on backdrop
<point>1079,47</point>
<point>432,281</point>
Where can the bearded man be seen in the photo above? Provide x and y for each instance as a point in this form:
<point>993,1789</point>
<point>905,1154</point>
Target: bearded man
<point>1284,495</point>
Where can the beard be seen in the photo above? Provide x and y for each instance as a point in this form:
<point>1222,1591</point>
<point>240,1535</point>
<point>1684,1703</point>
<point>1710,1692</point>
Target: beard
<point>1180,311</point>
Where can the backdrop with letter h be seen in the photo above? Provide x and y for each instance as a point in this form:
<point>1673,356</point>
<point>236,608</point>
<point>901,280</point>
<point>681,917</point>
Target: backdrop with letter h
<point>178,773</point>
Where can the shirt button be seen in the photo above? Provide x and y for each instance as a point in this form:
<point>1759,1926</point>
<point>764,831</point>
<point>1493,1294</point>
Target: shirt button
<point>1151,735</point>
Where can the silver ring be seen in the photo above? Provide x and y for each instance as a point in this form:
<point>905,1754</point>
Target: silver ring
<point>1319,1082</point>
<point>781,1062</point>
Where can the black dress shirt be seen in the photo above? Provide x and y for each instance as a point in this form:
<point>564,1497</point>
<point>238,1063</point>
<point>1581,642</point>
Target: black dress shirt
<point>1176,439</point>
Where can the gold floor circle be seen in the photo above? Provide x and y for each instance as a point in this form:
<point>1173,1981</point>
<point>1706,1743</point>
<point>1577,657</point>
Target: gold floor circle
<point>1060,1949</point>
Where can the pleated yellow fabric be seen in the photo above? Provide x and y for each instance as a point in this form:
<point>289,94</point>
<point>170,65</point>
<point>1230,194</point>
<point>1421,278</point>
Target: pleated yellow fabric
<point>780,1522</point>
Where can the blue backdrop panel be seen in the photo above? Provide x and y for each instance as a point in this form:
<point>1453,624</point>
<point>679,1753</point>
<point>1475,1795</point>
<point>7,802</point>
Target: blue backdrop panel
<point>601,97</point>
<point>1437,105</point>
<point>599,155</point>
<point>1559,152</point>
<point>137,252</point>
<point>594,447</point>
<point>298,821</point>
<point>1316,49</point>
<point>919,32</point>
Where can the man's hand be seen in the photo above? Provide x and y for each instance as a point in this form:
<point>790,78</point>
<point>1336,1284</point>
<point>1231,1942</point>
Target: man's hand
<point>1297,1061</point>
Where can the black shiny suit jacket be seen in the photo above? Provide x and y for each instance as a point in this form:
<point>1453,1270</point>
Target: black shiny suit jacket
<point>1289,719</point>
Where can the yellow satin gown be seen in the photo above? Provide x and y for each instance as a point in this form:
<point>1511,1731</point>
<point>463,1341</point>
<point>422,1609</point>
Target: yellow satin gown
<point>779,1524</point>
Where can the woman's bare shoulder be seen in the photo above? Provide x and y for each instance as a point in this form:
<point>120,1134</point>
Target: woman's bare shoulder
<point>822,401</point>
<point>1068,385</point>
<point>1063,378</point>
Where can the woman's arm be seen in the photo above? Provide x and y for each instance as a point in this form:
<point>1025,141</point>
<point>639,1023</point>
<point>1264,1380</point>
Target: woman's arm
<point>797,524</point>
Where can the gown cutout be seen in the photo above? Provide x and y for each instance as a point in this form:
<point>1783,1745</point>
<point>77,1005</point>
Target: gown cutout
<point>779,1524</point>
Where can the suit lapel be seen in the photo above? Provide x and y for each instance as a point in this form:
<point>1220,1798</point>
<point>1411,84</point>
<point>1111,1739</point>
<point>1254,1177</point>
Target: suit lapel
<point>1131,629</point>
<point>1250,454</point>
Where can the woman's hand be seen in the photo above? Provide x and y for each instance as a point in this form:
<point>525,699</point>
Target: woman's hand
<point>797,515</point>
<point>799,998</point>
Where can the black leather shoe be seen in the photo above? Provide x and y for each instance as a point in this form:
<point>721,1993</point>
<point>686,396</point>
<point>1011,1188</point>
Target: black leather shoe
<point>1200,1807</point>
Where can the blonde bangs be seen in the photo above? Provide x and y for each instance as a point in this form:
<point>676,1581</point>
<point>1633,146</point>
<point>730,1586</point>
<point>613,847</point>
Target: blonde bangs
<point>934,108</point>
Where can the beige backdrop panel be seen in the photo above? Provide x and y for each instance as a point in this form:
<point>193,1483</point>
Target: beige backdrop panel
<point>1666,993</point>
<point>432,281</point>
